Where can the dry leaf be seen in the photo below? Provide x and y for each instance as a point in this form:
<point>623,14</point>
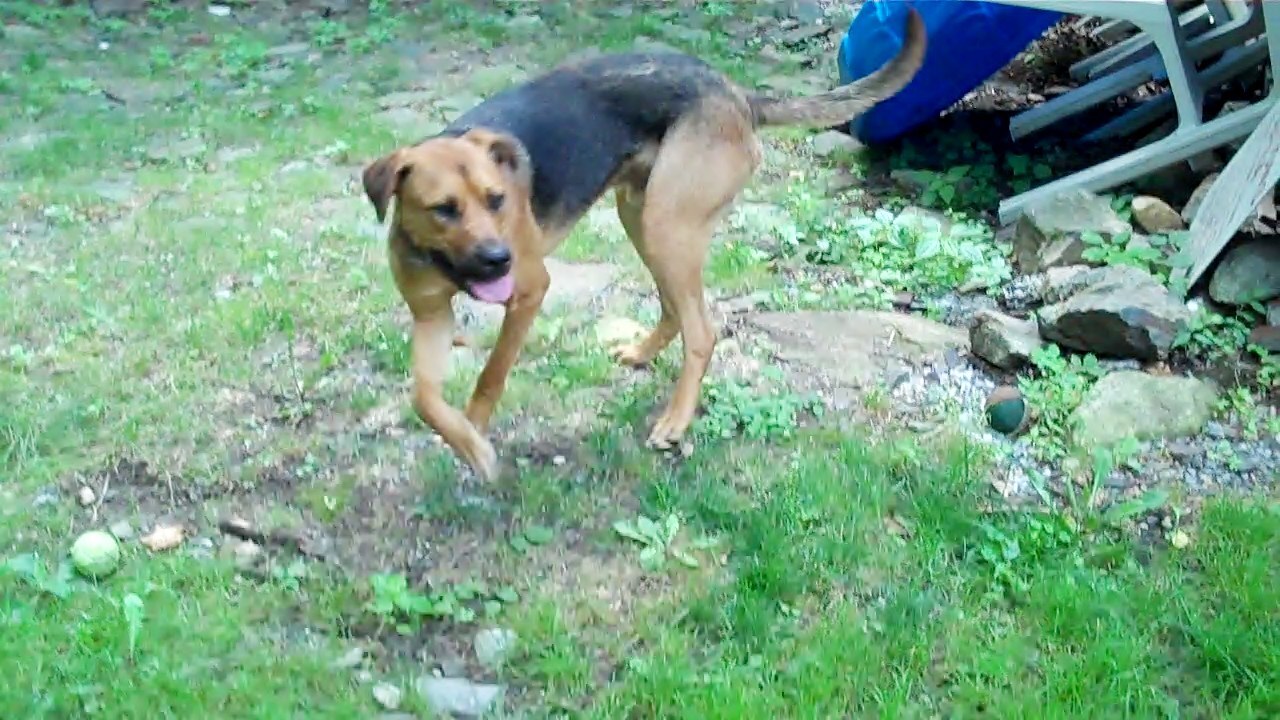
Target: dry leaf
<point>165,537</point>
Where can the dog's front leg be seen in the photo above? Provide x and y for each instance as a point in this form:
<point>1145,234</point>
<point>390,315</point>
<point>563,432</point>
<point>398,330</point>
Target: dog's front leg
<point>531,288</point>
<point>432,342</point>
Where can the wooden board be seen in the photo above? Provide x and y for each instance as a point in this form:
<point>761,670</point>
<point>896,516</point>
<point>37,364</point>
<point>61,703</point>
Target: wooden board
<point>1253,172</point>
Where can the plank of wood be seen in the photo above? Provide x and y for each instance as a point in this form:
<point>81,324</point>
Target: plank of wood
<point>1253,172</point>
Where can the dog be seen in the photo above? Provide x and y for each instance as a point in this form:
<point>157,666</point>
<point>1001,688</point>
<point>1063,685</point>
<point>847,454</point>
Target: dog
<point>482,203</point>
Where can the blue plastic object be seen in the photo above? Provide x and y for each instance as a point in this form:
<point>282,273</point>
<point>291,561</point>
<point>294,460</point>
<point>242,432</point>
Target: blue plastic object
<point>969,41</point>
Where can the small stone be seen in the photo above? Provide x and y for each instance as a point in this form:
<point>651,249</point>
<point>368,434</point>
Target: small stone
<point>832,142</point>
<point>122,530</point>
<point>1180,539</point>
<point>1155,216</point>
<point>86,496</point>
<point>1249,273</point>
<point>1130,404</point>
<point>387,695</point>
<point>1049,233</point>
<point>1004,341</point>
<point>1273,312</point>
<point>219,11</point>
<point>1266,337</point>
<point>1123,313</point>
<point>247,554</point>
<point>457,696</point>
<point>493,645</point>
<point>350,659</point>
<point>558,460</point>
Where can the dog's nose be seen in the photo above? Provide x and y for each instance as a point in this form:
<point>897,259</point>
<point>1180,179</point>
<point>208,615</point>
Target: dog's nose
<point>493,254</point>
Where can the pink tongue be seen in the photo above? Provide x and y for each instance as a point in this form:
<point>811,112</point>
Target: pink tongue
<point>494,291</point>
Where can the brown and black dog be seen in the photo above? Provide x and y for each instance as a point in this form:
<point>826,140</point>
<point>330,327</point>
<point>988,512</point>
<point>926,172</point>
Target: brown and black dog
<point>479,206</point>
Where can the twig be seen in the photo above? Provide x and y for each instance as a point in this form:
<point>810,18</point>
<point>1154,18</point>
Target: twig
<point>288,541</point>
<point>102,495</point>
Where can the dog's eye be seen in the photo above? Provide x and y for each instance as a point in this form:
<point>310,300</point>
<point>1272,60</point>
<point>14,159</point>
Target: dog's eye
<point>495,201</point>
<point>447,211</point>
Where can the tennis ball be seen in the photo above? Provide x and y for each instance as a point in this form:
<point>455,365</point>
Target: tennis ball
<point>1007,410</point>
<point>95,554</point>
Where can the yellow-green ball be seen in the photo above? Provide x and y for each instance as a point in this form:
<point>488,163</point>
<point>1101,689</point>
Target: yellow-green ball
<point>95,554</point>
<point>1007,411</point>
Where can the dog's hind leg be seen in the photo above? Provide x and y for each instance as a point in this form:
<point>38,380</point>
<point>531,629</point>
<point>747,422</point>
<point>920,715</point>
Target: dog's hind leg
<point>705,161</point>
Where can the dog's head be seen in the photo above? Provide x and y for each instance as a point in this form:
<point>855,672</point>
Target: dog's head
<point>458,201</point>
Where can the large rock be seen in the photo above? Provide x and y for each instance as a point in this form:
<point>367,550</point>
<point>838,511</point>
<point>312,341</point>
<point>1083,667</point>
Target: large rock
<point>1122,313</point>
<point>1004,341</point>
<point>1145,407</point>
<point>1048,234</point>
<point>1273,312</point>
<point>457,697</point>
<point>859,348</point>
<point>1249,273</point>
<point>1266,337</point>
<point>1155,216</point>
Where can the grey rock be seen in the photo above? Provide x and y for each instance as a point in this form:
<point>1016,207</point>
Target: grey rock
<point>1266,337</point>
<point>1060,283</point>
<point>806,11</point>
<point>832,142</point>
<point>1123,313</point>
<point>1273,312</point>
<point>1144,407</point>
<point>122,530</point>
<point>247,553</point>
<point>1250,272</point>
<point>1155,216</point>
<point>493,645</point>
<point>1004,341</point>
<point>388,696</point>
<point>1048,234</point>
<point>858,348</point>
<point>350,659</point>
<point>458,697</point>
<point>118,8</point>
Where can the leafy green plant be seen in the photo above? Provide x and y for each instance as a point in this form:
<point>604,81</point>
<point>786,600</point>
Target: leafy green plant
<point>1012,547</point>
<point>393,601</point>
<point>530,537</point>
<point>133,610</point>
<point>658,541</point>
<point>28,568</point>
<point>733,408</point>
<point>1211,336</point>
<point>888,252</point>
<point>1054,393</point>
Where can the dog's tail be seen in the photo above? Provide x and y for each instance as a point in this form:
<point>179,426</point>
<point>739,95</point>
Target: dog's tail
<point>847,102</point>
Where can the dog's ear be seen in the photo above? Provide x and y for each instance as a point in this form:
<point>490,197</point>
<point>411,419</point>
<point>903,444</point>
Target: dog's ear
<point>382,178</point>
<point>507,152</point>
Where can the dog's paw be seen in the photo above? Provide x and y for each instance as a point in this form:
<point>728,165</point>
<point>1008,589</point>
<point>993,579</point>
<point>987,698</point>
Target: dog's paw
<point>669,430</point>
<point>482,459</point>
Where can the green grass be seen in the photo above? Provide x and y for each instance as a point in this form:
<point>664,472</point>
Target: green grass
<point>224,314</point>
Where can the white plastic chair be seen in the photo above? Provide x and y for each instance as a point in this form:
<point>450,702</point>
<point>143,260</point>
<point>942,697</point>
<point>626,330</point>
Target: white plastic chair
<point>1192,137</point>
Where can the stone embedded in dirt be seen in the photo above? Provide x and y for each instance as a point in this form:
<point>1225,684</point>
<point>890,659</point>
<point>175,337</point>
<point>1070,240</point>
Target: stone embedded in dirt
<point>164,537</point>
<point>1124,312</point>
<point>247,553</point>
<point>349,659</point>
<point>288,50</point>
<point>1249,272</point>
<point>1048,234</point>
<point>86,496</point>
<point>833,142</point>
<point>1004,341</point>
<point>387,695</point>
<point>493,645</point>
<point>1155,216</point>
<point>858,348</point>
<point>167,151</point>
<point>457,696</point>
<point>118,8</point>
<point>121,529</point>
<point>1146,407</point>
<point>1266,337</point>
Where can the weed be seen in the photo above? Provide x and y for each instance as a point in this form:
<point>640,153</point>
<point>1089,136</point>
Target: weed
<point>1054,393</point>
<point>658,541</point>
<point>1151,254</point>
<point>1211,336</point>
<point>393,601</point>
<point>732,408</point>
